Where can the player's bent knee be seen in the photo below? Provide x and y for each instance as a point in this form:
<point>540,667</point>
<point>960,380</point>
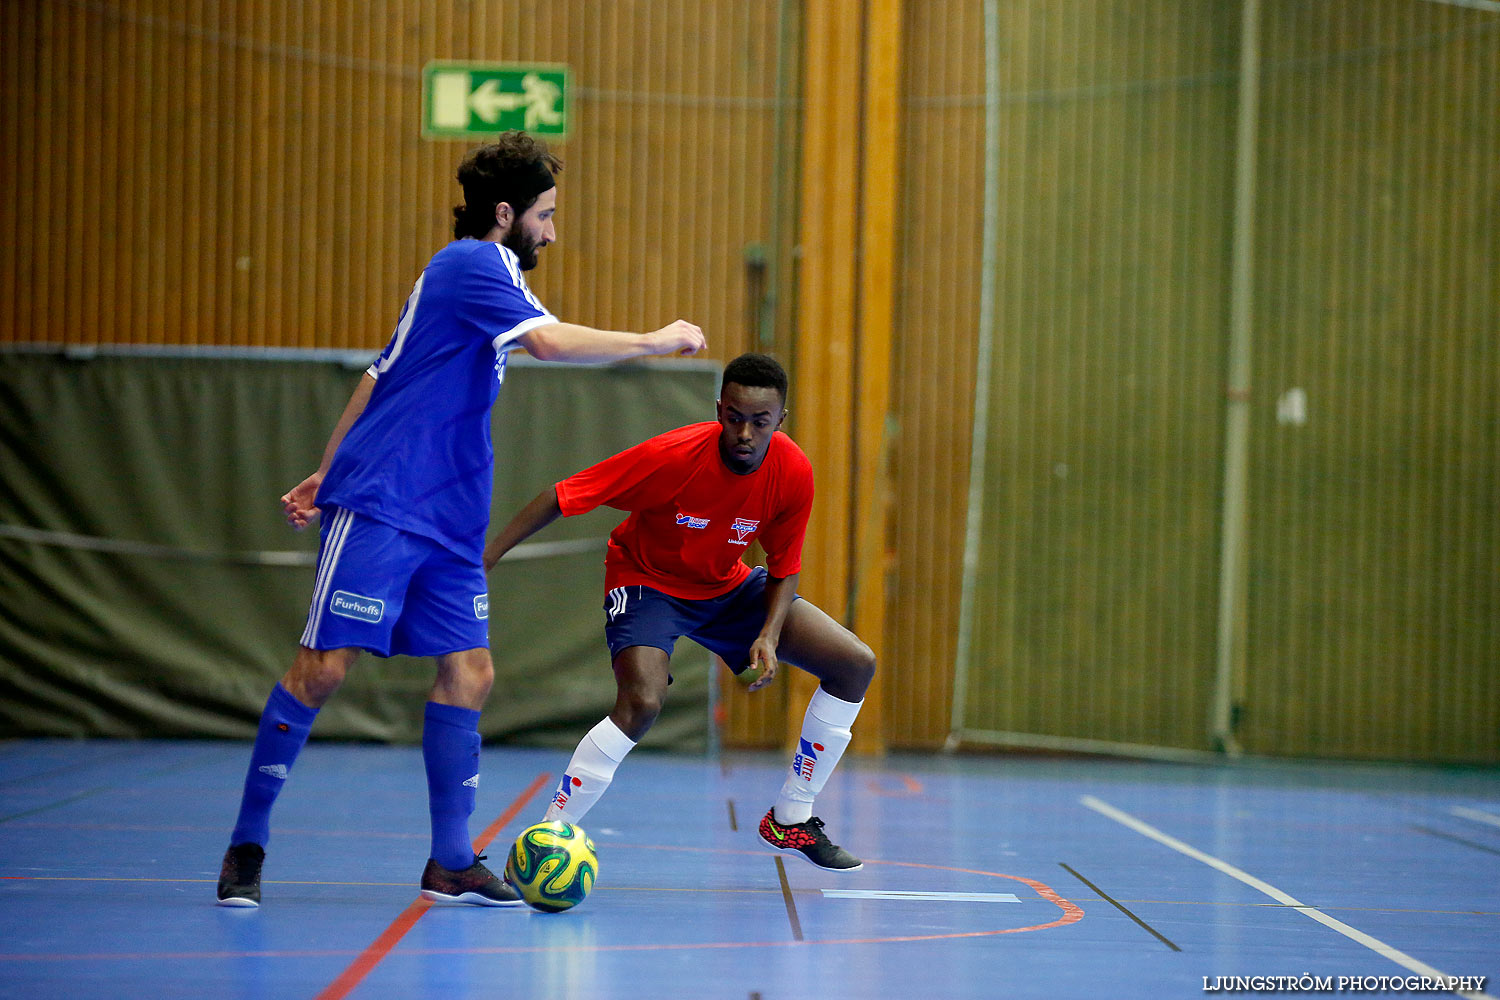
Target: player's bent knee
<point>849,675</point>
<point>862,667</point>
<point>475,688</point>
<point>316,674</point>
<point>479,677</point>
<point>636,711</point>
<point>465,678</point>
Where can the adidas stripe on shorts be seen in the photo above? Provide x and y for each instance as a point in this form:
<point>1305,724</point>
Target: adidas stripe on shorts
<point>393,592</point>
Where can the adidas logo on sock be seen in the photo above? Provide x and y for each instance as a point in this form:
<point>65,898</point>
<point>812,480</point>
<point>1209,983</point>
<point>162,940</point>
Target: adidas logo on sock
<point>473,782</point>
<point>277,771</point>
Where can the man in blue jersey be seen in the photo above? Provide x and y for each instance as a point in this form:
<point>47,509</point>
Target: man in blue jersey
<point>404,493</point>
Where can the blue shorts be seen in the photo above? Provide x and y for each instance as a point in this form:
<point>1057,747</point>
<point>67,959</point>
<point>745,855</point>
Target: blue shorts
<point>390,591</point>
<point>726,625</point>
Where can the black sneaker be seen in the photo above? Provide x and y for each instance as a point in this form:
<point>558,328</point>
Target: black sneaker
<point>808,840</point>
<point>475,884</point>
<point>239,877</point>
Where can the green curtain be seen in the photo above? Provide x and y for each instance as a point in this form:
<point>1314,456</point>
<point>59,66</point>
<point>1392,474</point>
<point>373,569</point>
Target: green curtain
<point>149,587</point>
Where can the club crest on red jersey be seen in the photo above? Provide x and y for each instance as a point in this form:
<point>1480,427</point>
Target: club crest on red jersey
<point>743,528</point>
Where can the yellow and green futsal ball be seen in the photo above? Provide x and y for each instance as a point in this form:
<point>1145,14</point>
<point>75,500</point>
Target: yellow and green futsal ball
<point>552,865</point>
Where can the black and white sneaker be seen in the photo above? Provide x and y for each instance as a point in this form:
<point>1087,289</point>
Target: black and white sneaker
<point>475,884</point>
<point>239,876</point>
<point>809,841</point>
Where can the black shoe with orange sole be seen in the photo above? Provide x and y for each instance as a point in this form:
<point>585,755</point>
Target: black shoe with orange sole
<point>809,841</point>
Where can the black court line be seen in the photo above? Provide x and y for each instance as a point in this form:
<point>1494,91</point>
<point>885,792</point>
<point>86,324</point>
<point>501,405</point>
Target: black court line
<point>74,767</point>
<point>732,824</point>
<point>179,766</point>
<point>1457,840</point>
<point>1107,898</point>
<point>791,906</point>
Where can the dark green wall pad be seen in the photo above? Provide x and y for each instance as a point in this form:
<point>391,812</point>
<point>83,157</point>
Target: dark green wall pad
<point>149,586</point>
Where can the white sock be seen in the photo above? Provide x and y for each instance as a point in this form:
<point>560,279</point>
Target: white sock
<point>589,772</point>
<point>825,737</point>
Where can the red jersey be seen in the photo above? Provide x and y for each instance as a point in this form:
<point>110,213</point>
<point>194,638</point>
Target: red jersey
<point>691,518</point>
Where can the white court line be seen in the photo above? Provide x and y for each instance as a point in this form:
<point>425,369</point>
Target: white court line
<point>1375,945</point>
<point>951,897</point>
<point>1476,815</point>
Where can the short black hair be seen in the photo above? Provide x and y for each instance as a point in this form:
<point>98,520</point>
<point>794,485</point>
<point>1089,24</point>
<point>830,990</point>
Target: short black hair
<point>516,168</point>
<point>756,369</point>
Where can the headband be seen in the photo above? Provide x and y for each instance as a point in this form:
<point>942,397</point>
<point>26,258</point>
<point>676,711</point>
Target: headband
<point>522,186</point>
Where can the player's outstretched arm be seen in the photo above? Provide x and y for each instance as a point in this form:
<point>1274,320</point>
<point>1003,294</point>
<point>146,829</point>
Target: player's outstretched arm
<point>535,516</point>
<point>299,502</point>
<point>584,345</point>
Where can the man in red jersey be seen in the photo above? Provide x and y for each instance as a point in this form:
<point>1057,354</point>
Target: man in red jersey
<point>697,497</point>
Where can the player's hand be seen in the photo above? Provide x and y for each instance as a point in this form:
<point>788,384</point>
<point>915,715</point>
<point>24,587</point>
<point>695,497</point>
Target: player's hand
<point>298,503</point>
<point>762,657</point>
<point>680,338</point>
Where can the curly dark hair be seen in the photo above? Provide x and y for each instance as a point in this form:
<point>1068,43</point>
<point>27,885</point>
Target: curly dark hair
<point>515,169</point>
<point>756,370</point>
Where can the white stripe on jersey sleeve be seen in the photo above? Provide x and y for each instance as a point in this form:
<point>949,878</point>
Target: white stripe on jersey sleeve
<point>507,341</point>
<point>517,278</point>
<point>512,263</point>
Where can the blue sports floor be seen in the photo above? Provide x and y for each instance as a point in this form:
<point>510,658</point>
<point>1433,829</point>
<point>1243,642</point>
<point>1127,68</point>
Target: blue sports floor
<point>986,876</point>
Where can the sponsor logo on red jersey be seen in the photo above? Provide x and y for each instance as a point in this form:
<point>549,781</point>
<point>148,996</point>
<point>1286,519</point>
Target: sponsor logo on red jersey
<point>689,521</point>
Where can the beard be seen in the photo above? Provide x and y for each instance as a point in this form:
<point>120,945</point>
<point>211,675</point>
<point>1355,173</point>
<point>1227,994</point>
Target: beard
<point>525,249</point>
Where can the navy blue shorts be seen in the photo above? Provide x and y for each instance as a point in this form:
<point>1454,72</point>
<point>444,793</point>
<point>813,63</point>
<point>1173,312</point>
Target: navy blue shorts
<point>390,591</point>
<point>726,625</point>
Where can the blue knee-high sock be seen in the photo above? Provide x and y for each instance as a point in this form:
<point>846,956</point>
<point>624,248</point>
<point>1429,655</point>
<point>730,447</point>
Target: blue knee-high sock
<point>450,749</point>
<point>284,726</point>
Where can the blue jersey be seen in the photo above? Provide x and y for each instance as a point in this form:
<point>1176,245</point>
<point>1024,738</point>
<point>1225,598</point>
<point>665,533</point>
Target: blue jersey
<point>419,457</point>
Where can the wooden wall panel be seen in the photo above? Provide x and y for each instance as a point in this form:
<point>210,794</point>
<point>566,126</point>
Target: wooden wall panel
<point>1375,556</point>
<point>252,173</point>
<point>827,315</point>
<point>1094,604</point>
<point>932,384</point>
<point>1371,613</point>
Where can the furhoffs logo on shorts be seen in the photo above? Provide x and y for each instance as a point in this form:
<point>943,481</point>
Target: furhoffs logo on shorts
<point>482,606</point>
<point>365,609</point>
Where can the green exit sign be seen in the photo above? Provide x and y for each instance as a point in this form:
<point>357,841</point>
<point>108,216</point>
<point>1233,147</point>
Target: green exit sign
<point>474,100</point>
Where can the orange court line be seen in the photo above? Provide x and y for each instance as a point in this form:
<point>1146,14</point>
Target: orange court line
<point>180,956</point>
<point>912,788</point>
<point>386,942</point>
<point>1071,913</point>
<point>392,935</point>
